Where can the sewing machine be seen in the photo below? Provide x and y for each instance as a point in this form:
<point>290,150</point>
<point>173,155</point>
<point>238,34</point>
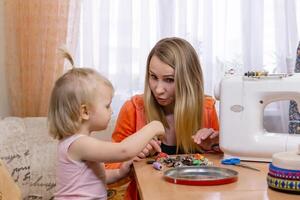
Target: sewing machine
<point>242,103</point>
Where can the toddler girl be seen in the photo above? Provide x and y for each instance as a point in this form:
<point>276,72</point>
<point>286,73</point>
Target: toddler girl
<point>81,103</point>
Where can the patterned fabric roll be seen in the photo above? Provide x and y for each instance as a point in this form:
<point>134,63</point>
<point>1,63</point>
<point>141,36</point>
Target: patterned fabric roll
<point>284,185</point>
<point>277,172</point>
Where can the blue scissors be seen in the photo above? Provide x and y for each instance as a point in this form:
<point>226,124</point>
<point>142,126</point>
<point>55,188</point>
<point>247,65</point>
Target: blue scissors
<point>237,162</point>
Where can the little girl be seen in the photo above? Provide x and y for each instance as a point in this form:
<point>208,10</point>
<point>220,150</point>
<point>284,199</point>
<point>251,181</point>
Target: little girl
<point>81,103</point>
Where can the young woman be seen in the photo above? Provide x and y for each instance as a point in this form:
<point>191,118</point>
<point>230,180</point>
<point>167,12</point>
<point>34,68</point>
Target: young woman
<point>174,95</point>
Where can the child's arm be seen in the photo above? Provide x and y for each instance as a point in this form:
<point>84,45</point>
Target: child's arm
<point>91,149</point>
<point>113,175</point>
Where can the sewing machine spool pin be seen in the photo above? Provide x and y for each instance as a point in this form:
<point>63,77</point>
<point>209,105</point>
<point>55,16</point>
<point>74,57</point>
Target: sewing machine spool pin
<point>265,75</point>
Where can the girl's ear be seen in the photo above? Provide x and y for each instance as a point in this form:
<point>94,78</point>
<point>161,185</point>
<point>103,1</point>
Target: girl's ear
<point>84,112</point>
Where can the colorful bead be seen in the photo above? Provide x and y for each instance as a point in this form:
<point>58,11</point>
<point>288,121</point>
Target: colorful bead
<point>157,165</point>
<point>162,155</point>
<point>196,162</point>
<point>198,156</point>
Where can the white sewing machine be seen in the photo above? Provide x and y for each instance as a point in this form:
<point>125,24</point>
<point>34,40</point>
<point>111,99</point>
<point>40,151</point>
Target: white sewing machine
<point>242,103</point>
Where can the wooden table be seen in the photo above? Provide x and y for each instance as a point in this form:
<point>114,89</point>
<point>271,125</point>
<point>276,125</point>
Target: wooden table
<point>251,185</point>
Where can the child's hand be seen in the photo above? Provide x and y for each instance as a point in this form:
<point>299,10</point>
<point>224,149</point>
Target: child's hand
<point>125,168</point>
<point>152,147</point>
<point>206,138</point>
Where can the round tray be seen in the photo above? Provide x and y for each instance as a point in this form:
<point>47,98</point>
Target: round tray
<point>198,175</point>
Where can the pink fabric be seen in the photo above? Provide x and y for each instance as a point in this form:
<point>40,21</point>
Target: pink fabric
<point>76,179</point>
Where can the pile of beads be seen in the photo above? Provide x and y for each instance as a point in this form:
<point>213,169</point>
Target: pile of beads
<point>179,161</point>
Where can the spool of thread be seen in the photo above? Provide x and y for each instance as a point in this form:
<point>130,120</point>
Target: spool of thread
<point>157,166</point>
<point>284,172</point>
<point>286,160</point>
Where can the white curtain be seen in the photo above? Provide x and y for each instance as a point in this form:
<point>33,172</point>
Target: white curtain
<point>286,36</point>
<point>117,35</point>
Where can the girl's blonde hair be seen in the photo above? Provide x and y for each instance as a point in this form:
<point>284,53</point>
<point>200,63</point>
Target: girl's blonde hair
<point>189,92</point>
<point>75,88</point>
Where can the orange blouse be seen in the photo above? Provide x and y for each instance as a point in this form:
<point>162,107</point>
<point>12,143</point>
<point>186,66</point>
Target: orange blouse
<point>132,118</point>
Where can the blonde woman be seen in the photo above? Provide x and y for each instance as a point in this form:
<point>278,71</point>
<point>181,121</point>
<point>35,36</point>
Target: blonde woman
<point>173,95</point>
<point>80,103</point>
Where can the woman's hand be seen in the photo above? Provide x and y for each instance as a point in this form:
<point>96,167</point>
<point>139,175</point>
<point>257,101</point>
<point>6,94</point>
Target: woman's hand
<point>152,147</point>
<point>206,138</point>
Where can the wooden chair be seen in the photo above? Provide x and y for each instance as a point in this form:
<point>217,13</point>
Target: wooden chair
<point>8,188</point>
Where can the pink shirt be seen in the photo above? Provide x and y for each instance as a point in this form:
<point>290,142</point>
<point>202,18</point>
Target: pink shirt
<point>78,179</point>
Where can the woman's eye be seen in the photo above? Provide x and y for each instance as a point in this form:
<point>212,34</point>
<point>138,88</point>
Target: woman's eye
<point>153,77</point>
<point>169,80</point>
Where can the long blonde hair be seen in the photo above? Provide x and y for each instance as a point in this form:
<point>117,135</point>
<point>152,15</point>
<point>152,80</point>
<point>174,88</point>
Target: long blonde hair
<point>73,89</point>
<point>189,92</point>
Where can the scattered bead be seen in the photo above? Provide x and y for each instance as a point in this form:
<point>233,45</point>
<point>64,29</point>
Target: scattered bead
<point>157,165</point>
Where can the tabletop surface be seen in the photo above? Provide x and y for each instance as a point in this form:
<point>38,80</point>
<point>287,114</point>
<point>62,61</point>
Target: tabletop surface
<point>250,185</point>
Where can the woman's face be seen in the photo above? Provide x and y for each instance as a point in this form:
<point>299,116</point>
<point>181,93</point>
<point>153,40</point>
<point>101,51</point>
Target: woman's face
<point>161,81</point>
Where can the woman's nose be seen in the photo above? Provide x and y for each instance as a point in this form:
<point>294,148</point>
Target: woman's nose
<point>159,88</point>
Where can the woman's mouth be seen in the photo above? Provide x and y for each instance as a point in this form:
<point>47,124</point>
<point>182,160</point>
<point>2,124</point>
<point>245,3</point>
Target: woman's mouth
<point>161,101</point>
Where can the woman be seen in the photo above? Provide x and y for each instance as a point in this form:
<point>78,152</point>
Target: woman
<point>174,95</point>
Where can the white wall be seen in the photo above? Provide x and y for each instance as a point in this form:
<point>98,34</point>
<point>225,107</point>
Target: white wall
<point>4,108</point>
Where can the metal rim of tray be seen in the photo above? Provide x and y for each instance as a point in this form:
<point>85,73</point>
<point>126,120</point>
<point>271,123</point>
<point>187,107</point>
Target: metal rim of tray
<point>200,175</point>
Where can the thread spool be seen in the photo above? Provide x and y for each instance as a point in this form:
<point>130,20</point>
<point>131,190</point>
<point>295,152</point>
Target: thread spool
<point>284,172</point>
<point>287,160</point>
<point>157,166</point>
